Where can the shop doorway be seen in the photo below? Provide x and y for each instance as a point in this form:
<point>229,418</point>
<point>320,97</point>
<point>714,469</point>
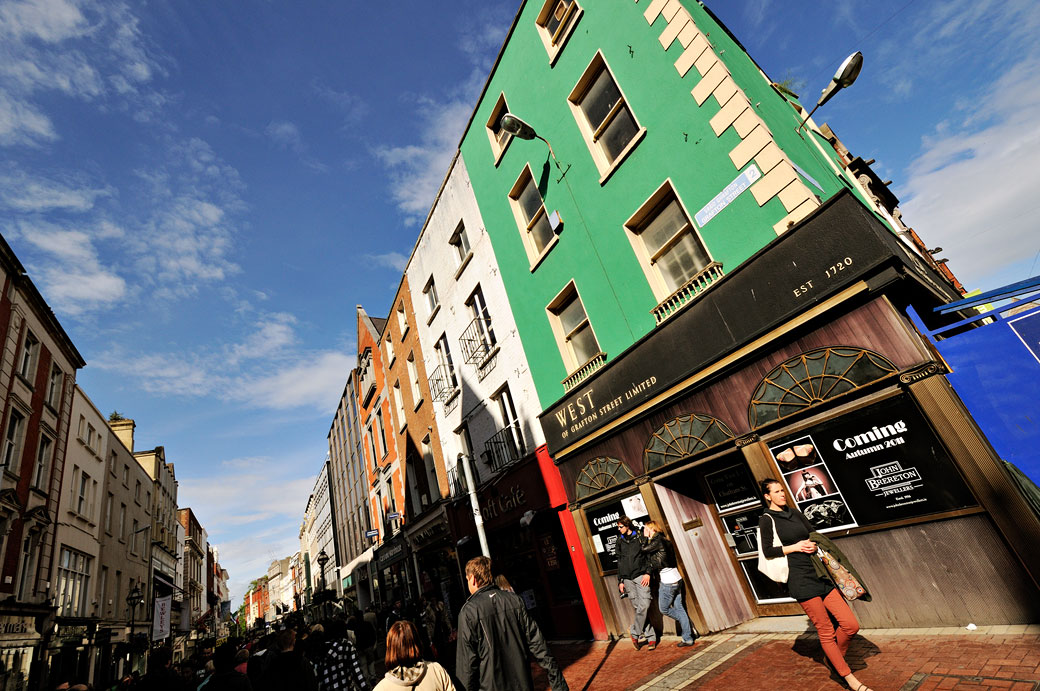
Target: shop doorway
<point>712,511</point>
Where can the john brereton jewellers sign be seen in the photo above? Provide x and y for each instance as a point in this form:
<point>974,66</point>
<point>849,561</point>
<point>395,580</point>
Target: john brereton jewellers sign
<point>839,245</point>
<point>877,464</point>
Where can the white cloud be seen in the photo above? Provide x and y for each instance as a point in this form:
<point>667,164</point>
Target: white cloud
<point>974,180</point>
<point>416,170</point>
<point>265,370</point>
<point>351,106</point>
<point>22,123</point>
<point>285,134</point>
<point>271,336</point>
<point>47,20</point>
<point>390,260</point>
<point>92,50</point>
<point>71,273</point>
<point>315,381</point>
<point>25,193</point>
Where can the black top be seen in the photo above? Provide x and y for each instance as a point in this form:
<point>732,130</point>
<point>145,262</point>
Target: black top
<point>802,581</point>
<point>659,553</point>
<point>496,637</point>
<point>630,559</point>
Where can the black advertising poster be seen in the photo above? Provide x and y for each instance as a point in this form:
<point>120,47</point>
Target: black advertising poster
<point>732,487</point>
<point>874,465</point>
<point>603,524</point>
<point>743,527</point>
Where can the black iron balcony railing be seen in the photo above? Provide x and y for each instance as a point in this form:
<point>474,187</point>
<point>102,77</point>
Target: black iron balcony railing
<point>477,341</point>
<point>442,383</point>
<point>505,447</point>
<point>456,481</point>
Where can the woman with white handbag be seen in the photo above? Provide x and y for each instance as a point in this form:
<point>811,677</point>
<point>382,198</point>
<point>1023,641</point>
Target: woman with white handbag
<point>785,555</point>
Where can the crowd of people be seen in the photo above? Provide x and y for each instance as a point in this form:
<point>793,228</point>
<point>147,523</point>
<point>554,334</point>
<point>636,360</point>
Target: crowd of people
<point>490,648</point>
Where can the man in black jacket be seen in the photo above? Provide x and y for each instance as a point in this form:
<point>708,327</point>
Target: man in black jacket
<point>495,637</point>
<point>634,580</point>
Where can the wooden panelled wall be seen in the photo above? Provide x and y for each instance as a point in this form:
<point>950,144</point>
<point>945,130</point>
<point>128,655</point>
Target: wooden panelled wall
<point>875,325</point>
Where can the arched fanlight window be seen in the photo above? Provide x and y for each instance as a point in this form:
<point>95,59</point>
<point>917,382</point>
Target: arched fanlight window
<point>813,377</point>
<point>599,474</point>
<point>682,437</point>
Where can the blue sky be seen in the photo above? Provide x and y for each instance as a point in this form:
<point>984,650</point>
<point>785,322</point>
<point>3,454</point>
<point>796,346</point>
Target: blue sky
<point>203,191</point>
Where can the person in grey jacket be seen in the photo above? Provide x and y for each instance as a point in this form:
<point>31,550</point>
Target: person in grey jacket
<point>496,636</point>
<point>634,581</point>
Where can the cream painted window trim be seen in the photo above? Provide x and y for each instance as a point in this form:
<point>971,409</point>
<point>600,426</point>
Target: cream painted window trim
<point>462,266</point>
<point>623,155</point>
<point>524,226</point>
<point>641,217</point>
<point>498,149</point>
<point>569,291</point>
<point>545,252</point>
<point>554,43</point>
<point>433,314</point>
<point>606,168</point>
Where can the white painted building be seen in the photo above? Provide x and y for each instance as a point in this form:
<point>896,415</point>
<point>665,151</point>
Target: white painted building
<point>317,534</point>
<point>469,339</point>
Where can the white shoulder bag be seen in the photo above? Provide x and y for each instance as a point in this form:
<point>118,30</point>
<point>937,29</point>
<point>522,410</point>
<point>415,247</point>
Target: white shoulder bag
<point>776,569</point>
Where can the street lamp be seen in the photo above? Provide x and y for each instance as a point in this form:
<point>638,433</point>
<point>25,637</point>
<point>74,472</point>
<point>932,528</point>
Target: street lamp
<point>323,559</point>
<point>844,77</point>
<point>518,128</point>
<point>133,599</point>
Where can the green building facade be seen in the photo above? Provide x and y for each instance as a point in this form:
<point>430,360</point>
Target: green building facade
<point>659,121</point>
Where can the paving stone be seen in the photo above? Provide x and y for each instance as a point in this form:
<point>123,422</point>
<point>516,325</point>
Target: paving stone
<point>916,661</point>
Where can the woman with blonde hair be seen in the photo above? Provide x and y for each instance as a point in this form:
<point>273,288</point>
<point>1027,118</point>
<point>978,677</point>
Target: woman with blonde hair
<point>405,668</point>
<point>660,556</point>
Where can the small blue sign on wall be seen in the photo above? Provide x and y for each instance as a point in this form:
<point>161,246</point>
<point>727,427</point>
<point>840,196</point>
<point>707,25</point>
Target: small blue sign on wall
<point>1027,328</point>
<point>727,195</point>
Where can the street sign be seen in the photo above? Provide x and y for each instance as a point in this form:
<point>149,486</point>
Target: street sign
<point>371,533</point>
<point>393,516</point>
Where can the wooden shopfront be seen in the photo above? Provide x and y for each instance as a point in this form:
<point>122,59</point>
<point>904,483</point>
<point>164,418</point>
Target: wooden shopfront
<point>831,391</point>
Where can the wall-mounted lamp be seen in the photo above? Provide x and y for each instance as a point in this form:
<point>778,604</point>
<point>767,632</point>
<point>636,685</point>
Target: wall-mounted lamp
<point>518,128</point>
<point>844,77</point>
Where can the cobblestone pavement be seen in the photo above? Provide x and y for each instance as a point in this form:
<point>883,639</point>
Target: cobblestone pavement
<point>750,658</point>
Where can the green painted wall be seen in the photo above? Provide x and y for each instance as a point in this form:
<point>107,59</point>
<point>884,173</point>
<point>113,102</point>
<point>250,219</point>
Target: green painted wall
<point>679,145</point>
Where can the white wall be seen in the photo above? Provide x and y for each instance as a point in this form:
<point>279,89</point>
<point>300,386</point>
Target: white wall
<point>434,256</point>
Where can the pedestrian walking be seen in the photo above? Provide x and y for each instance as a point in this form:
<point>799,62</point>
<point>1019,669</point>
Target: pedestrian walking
<point>660,556</point>
<point>161,676</point>
<point>783,533</point>
<point>288,668</point>
<point>496,637</point>
<point>340,667</point>
<point>405,666</point>
<point>225,677</point>
<point>634,582</point>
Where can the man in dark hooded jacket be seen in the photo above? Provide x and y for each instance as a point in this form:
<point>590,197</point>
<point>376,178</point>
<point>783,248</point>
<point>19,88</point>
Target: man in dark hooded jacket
<point>496,636</point>
<point>634,581</point>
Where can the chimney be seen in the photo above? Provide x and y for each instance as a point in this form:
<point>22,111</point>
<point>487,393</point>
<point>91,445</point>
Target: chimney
<point>124,429</point>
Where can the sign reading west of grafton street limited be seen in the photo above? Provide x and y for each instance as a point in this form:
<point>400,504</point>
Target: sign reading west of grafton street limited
<point>839,244</point>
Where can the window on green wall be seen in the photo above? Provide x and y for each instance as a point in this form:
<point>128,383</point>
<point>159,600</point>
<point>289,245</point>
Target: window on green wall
<point>666,242</point>
<point>498,137</point>
<point>533,221</point>
<point>555,23</point>
<point>571,326</point>
<point>604,117</point>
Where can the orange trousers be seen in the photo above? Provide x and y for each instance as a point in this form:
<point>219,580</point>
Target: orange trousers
<point>835,643</point>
